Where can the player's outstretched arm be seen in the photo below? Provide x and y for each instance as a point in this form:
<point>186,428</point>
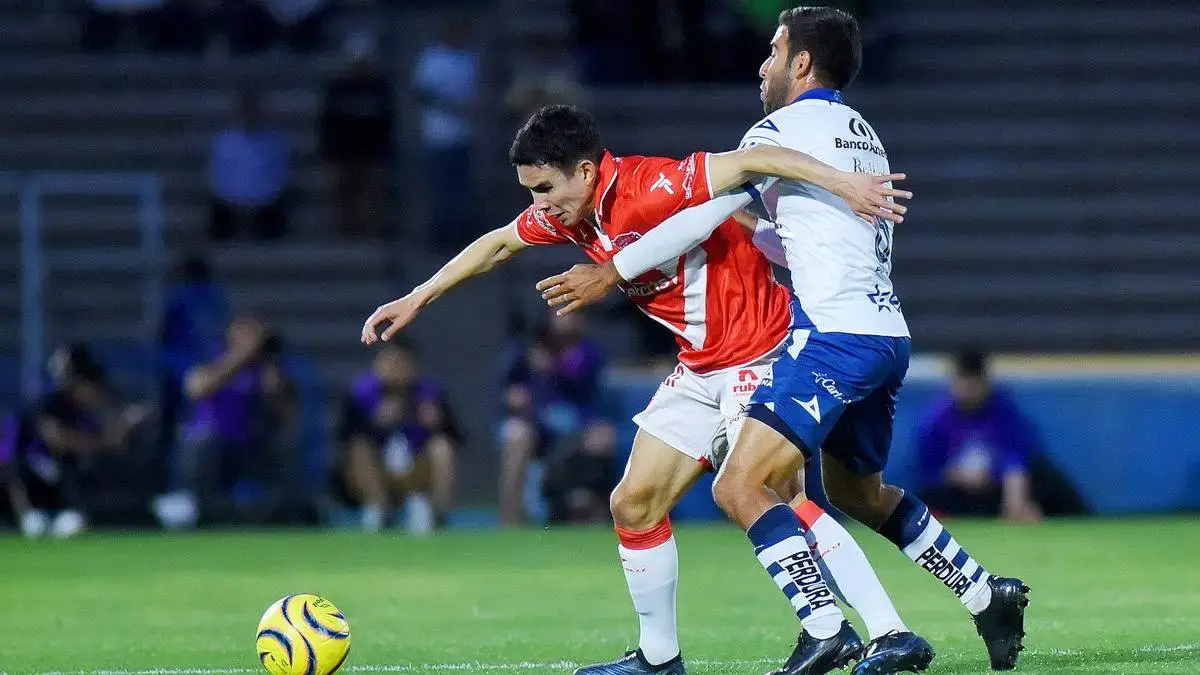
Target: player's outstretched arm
<point>868,195</point>
<point>484,254</point>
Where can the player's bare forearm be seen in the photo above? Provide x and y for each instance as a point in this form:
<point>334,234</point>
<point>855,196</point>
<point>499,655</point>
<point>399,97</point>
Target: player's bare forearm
<point>480,257</point>
<point>483,255</point>
<point>729,170</point>
<point>870,196</point>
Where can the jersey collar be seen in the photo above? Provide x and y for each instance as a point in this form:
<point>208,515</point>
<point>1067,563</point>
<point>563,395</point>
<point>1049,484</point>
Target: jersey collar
<point>821,94</point>
<point>605,181</point>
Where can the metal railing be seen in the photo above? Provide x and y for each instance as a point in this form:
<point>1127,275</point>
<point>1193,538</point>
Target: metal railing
<point>35,260</point>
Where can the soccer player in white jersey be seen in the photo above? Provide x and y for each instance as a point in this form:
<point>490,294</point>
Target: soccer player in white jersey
<point>835,385</point>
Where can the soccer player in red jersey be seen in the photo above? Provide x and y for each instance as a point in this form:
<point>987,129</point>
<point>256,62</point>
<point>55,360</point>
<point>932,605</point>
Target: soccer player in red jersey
<point>728,324</point>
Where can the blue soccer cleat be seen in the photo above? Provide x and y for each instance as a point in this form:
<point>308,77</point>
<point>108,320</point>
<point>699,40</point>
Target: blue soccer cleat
<point>635,664</point>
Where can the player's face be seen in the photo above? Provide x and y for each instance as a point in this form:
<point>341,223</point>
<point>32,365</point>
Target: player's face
<point>777,73</point>
<point>567,198</point>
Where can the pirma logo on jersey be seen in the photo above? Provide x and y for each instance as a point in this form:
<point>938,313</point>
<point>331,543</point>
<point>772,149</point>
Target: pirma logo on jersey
<point>663,183</point>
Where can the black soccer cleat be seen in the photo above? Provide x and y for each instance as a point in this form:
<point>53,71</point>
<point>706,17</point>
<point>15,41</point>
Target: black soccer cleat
<point>634,663</point>
<point>817,657</point>
<point>1002,624</point>
<point>895,652</point>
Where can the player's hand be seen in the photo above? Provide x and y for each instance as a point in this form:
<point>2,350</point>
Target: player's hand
<point>399,312</point>
<point>581,285</point>
<point>868,195</point>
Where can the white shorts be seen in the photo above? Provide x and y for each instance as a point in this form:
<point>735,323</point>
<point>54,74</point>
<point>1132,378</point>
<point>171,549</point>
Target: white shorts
<point>699,415</point>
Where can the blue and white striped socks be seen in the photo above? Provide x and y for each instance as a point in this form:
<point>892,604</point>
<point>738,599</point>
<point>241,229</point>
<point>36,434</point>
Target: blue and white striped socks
<point>929,544</point>
<point>779,543</point>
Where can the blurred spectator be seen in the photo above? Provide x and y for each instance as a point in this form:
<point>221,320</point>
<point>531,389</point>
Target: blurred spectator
<point>644,40</point>
<point>672,41</point>
<point>248,25</point>
<point>249,169</point>
<point>977,452</point>
<point>600,35</point>
<point>162,25</point>
<point>301,22</point>
<point>544,74</point>
<point>9,423</point>
<point>60,439</point>
<point>241,456</point>
<point>254,26</point>
<point>197,312</point>
<point>356,138</point>
<point>396,444</point>
<point>446,78</point>
<point>581,478</point>
<point>552,400</point>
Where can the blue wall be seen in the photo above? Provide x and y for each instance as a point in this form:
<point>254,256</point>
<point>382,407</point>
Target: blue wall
<point>1131,444</point>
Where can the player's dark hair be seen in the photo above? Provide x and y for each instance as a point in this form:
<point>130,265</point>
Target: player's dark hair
<point>971,362</point>
<point>557,135</point>
<point>830,36</point>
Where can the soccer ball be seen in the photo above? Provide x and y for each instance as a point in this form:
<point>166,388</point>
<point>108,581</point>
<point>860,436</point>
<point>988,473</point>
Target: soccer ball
<point>303,634</point>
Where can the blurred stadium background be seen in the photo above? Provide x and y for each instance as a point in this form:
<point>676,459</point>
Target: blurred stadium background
<point>1051,145</point>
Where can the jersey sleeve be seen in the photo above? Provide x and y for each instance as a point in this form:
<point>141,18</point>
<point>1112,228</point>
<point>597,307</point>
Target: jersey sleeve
<point>536,228</point>
<point>664,187</point>
<point>766,132</point>
<point>677,235</point>
<point>767,239</point>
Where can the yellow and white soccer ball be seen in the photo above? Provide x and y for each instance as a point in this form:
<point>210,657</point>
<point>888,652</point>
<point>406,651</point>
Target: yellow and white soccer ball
<point>303,634</point>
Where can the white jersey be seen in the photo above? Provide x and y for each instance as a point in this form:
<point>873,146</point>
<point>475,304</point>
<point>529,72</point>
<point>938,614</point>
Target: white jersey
<point>840,264</point>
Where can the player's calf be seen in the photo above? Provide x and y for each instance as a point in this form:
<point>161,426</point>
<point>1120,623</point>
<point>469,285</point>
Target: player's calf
<point>997,604</point>
<point>760,458</point>
<point>657,475</point>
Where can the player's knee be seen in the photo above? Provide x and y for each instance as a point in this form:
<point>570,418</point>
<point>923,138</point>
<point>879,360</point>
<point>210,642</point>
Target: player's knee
<point>729,486</point>
<point>636,507</point>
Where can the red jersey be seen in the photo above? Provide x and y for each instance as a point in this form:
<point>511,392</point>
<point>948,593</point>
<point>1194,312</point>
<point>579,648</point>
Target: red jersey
<point>720,299</point>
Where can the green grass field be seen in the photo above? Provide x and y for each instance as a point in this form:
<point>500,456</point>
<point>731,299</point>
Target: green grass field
<point>1108,596</point>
